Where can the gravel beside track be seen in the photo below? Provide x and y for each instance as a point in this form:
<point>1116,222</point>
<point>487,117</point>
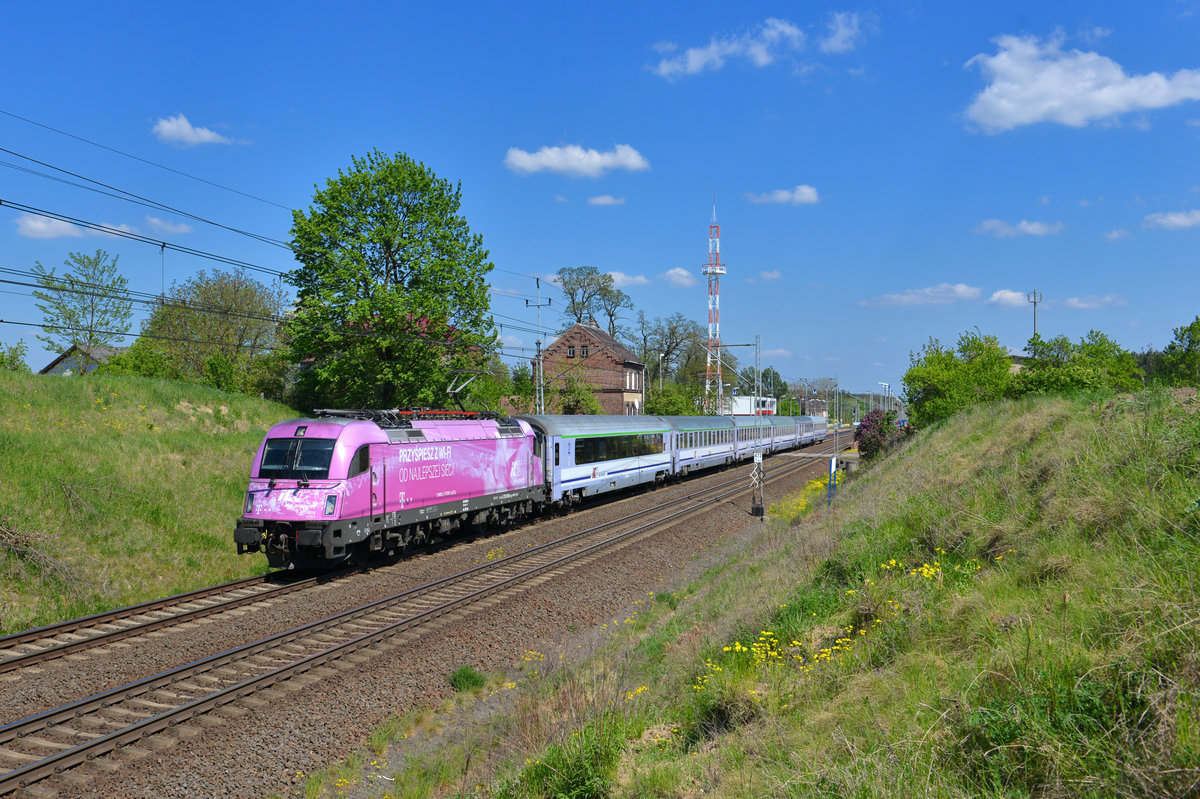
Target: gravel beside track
<point>258,746</point>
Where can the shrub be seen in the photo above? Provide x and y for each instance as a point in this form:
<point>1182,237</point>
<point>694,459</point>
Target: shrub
<point>466,678</point>
<point>876,432</point>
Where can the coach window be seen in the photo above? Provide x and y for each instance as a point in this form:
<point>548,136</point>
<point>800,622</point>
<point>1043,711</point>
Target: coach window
<point>361,461</point>
<point>555,453</point>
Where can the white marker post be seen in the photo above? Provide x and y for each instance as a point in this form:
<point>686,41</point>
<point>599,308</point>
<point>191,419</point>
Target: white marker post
<point>756,480</point>
<point>832,482</point>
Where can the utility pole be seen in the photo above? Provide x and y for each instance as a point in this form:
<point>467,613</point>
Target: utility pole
<point>1035,297</point>
<point>540,377</point>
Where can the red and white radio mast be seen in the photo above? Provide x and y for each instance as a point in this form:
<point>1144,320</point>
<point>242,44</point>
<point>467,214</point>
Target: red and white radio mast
<point>713,388</point>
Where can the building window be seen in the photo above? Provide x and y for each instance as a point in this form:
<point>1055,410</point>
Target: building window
<point>570,352</point>
<point>583,352</point>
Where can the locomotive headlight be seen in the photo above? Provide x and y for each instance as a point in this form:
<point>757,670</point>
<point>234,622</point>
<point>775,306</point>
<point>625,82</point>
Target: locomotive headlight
<point>249,502</point>
<point>330,502</point>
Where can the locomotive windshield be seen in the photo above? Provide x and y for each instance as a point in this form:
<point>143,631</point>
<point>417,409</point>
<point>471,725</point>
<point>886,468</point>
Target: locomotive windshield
<point>297,458</point>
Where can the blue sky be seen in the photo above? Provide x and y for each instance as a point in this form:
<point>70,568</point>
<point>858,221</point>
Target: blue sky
<point>883,173</point>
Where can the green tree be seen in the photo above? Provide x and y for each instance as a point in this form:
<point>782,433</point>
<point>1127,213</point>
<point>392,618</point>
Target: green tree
<point>611,301</point>
<point>12,359</point>
<point>582,286</point>
<point>674,399</point>
<point>144,359</point>
<point>1058,365</point>
<point>574,396</point>
<point>220,329</point>
<point>391,294</point>
<point>1181,358</point>
<point>940,381</point>
<point>87,307</point>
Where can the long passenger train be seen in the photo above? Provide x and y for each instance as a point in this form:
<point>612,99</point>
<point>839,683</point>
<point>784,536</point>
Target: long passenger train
<point>346,485</point>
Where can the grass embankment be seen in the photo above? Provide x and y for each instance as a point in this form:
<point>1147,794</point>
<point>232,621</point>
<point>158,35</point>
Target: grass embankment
<point>116,490</point>
<point>1006,606</point>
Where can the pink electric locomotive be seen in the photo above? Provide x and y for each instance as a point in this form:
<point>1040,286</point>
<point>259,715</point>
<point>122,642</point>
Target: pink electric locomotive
<point>346,485</point>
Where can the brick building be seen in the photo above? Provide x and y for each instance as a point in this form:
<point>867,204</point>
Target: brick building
<point>598,360</point>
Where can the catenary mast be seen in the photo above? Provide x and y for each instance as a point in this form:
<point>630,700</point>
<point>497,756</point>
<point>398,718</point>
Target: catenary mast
<point>713,388</point>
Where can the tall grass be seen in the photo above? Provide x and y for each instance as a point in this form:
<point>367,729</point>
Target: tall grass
<point>118,489</point>
<point>1005,606</point>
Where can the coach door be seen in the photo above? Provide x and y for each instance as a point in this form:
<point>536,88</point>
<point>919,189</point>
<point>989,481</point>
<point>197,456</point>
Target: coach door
<point>379,501</point>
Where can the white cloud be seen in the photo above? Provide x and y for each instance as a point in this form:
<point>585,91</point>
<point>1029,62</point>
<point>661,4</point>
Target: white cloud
<point>163,226</point>
<point>621,280</point>
<point>606,199</point>
<point>845,30</point>
<point>1030,81</point>
<point>40,227</point>
<point>575,161</point>
<point>1091,302</point>
<point>177,130</point>
<point>32,226</point>
<point>665,47</point>
<point>122,227</point>
<point>507,292</point>
<point>1007,298</point>
<point>941,294</point>
<point>1002,230</point>
<point>1093,35</point>
<point>1044,199</point>
<point>767,276</point>
<point>679,277</point>
<point>761,47</point>
<point>777,353</point>
<point>513,342</point>
<point>1176,220</point>
<point>801,195</point>
<point>558,198</point>
<point>1116,235</point>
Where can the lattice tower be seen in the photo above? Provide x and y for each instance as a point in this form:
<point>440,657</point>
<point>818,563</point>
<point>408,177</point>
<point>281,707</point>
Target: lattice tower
<point>713,269</point>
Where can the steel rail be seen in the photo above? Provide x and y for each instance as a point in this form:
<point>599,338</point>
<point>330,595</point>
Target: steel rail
<point>47,649</point>
<point>156,722</point>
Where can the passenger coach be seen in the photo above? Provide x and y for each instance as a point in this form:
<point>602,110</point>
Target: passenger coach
<point>589,455</point>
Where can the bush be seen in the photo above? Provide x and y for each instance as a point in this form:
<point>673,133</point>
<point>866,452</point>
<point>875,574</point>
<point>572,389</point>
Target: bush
<point>466,678</point>
<point>12,359</point>
<point>875,433</point>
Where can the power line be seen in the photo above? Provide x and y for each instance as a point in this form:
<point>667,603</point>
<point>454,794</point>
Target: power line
<point>129,196</point>
<point>127,234</point>
<point>143,160</point>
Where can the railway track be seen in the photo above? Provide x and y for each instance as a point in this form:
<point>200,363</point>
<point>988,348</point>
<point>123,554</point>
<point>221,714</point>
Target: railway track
<point>31,647</point>
<point>40,746</point>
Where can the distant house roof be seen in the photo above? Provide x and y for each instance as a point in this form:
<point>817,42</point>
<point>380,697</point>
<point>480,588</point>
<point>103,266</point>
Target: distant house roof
<point>64,363</point>
<point>616,348</point>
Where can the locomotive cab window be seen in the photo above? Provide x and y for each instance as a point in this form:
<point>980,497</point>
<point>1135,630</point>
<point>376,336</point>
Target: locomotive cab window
<point>296,458</point>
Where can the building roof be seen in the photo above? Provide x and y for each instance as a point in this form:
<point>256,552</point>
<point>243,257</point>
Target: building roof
<point>99,353</point>
<point>619,350</point>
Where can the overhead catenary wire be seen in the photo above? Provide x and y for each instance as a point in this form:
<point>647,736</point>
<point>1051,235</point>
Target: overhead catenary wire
<point>127,234</point>
<point>128,196</point>
<point>143,160</point>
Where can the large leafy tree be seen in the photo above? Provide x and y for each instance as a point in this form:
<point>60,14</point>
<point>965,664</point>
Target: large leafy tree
<point>1181,358</point>
<point>222,329</point>
<point>942,381</point>
<point>582,287</point>
<point>391,294</point>
<point>1058,365</point>
<point>88,306</point>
